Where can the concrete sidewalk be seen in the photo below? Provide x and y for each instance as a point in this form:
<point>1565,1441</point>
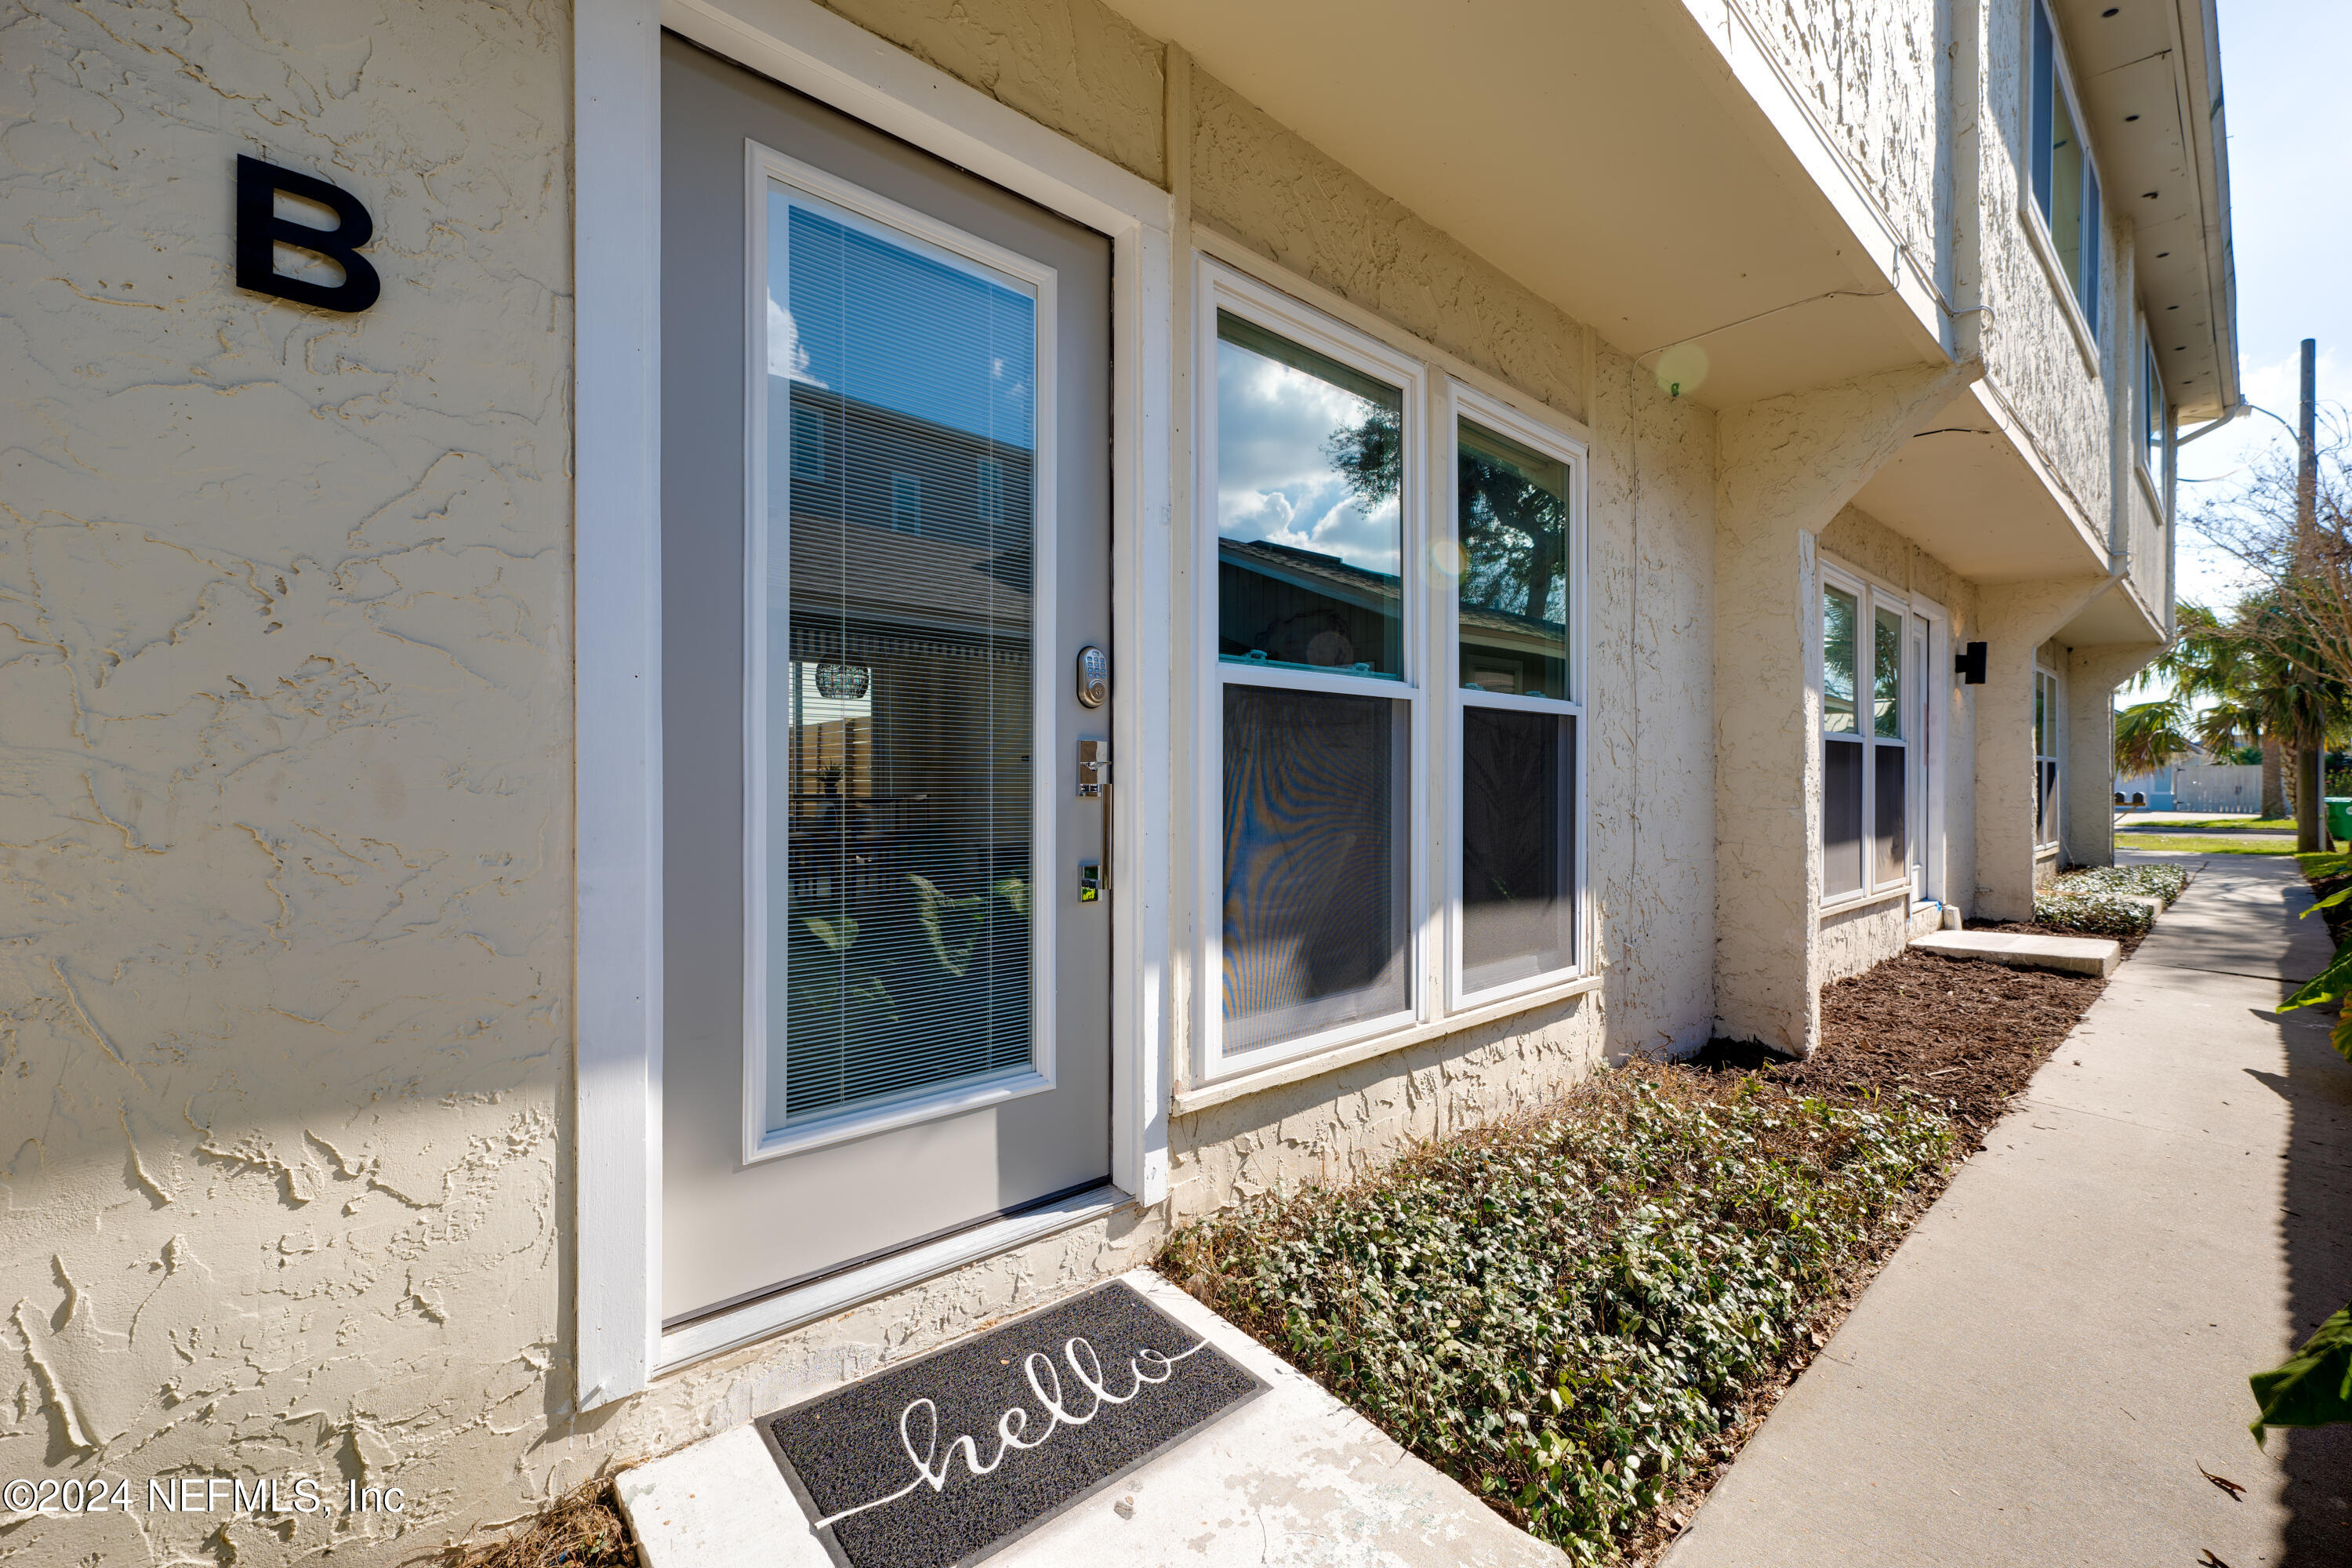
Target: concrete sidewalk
<point>2051,1355</point>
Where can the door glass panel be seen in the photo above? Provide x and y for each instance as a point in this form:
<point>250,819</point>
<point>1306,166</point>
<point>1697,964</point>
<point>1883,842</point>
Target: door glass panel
<point>901,454</point>
<point>1513,514</point>
<point>1519,905</point>
<point>1310,459</point>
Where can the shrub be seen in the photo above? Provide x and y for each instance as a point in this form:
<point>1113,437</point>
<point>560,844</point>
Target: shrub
<point>2106,901</point>
<point>2165,882</point>
<point>1563,1309</point>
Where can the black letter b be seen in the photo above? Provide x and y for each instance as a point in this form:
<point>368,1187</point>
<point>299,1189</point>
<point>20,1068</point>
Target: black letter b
<point>258,226</point>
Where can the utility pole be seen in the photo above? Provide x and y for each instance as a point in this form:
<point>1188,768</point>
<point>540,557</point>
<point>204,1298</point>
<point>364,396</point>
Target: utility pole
<point>2311,762</point>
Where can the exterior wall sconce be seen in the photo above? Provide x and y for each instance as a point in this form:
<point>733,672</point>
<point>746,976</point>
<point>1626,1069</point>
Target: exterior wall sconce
<point>1970,665</point>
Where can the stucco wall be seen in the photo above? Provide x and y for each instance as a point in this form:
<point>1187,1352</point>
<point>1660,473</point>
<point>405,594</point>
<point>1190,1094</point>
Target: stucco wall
<point>1857,939</point>
<point>2033,357</point>
<point>287,819</point>
<point>286,709</point>
<point>1876,75</point>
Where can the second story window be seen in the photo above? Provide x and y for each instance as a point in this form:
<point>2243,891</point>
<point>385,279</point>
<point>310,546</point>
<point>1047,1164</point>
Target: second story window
<point>2065,180</point>
<point>2154,418</point>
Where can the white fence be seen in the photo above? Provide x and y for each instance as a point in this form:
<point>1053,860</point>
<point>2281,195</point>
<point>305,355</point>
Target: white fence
<point>2222,788</point>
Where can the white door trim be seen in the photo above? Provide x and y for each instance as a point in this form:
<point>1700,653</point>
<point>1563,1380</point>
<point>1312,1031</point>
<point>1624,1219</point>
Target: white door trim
<point>615,1157</point>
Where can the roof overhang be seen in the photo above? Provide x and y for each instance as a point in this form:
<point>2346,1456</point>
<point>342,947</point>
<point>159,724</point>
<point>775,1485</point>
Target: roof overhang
<point>1642,163</point>
<point>2149,74</point>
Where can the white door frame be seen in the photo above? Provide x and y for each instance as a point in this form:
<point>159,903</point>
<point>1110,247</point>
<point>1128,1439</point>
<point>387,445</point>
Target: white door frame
<point>616,1158</point>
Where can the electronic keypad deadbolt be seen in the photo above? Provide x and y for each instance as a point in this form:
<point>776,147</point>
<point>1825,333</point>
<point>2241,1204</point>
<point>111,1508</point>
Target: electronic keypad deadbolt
<point>1094,676</point>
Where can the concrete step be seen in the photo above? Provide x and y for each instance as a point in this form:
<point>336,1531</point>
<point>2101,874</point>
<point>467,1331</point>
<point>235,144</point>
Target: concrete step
<point>2073,955</point>
<point>1293,1477</point>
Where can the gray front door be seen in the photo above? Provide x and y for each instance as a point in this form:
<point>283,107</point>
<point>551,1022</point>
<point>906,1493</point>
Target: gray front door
<point>886,393</point>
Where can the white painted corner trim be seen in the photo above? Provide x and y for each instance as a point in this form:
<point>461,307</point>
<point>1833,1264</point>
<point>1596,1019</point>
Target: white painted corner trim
<point>615,1152</point>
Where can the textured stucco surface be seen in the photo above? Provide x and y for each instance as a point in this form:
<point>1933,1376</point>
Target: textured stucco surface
<point>2031,356</point>
<point>1876,75</point>
<point>1786,468</point>
<point>286,705</point>
<point>1853,941</point>
<point>1260,181</point>
<point>284,820</point>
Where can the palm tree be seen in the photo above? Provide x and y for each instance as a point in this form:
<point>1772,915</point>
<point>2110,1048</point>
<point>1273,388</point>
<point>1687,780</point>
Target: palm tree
<point>2149,738</point>
<point>2249,691</point>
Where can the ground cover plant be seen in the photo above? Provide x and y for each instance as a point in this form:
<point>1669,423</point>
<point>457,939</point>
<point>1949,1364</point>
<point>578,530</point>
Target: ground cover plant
<point>1703,1268</point>
<point>1568,1310</point>
<point>2107,901</point>
<point>2211,825</point>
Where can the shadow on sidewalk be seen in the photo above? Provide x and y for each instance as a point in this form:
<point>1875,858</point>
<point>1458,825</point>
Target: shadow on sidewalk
<point>2317,1229</point>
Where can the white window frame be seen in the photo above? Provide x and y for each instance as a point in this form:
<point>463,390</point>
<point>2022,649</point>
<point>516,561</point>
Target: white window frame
<point>2054,733</point>
<point>2155,420</point>
<point>1871,594</point>
<point>1928,772</point>
<point>1220,287</point>
<point>2082,321</point>
<point>1460,403</point>
<point>617,261</point>
<point>768,172</point>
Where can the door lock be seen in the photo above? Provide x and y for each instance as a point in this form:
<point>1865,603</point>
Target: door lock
<point>1094,768</point>
<point>1094,676</point>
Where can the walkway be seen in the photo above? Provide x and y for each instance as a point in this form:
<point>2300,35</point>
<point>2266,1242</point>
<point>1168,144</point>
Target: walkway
<point>2051,1355</point>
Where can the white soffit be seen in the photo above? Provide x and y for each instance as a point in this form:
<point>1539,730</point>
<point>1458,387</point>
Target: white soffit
<point>2140,74</point>
<point>1599,151</point>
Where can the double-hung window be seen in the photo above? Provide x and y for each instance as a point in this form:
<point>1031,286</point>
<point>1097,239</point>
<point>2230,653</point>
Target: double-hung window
<point>1865,741</point>
<point>1315,490</point>
<point>1388,572</point>
<point>2045,758</point>
<point>2065,182</point>
<point>2155,416</point>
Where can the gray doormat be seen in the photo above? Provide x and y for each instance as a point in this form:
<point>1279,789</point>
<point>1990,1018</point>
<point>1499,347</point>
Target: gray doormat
<point>948,1458</point>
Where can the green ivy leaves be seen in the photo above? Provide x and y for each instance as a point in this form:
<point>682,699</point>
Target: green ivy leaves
<point>1566,1312</point>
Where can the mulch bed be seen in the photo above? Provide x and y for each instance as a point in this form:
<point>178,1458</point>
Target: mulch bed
<point>1967,1033</point>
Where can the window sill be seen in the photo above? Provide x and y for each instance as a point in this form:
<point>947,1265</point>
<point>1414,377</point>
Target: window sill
<point>1846,903</point>
<point>1296,1070</point>
<point>2150,487</point>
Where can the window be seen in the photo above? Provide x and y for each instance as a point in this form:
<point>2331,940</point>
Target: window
<point>1866,719</point>
<point>2154,418</point>
<point>1515,526</point>
<point>988,488</point>
<point>2045,758</point>
<point>906,503</point>
<point>810,445</point>
<point>1313,478</point>
<point>1391,593</point>
<point>2065,182</point>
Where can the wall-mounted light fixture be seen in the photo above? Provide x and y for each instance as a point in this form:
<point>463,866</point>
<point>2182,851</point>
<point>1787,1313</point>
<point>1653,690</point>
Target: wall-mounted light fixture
<point>1970,665</point>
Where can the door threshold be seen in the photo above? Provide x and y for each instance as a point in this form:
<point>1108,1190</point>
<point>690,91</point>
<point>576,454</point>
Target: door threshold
<point>839,1291</point>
